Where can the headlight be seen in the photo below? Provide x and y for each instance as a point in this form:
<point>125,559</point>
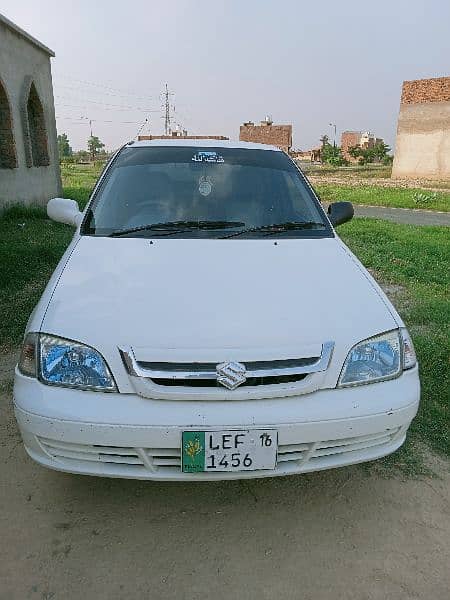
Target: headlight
<point>374,359</point>
<point>63,362</point>
<point>57,361</point>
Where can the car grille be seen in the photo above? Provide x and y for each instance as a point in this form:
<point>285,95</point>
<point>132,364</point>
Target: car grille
<point>198,374</point>
<point>250,381</point>
<point>306,456</point>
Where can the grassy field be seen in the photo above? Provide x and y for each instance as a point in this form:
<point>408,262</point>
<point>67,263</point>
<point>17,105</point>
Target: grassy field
<point>413,261</point>
<point>30,247</point>
<point>385,196</point>
<point>372,185</point>
<point>78,181</point>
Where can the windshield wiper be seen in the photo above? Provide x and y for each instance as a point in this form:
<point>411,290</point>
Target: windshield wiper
<point>174,227</point>
<point>279,227</point>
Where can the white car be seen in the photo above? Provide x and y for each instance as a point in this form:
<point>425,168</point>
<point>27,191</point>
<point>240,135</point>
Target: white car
<point>207,323</point>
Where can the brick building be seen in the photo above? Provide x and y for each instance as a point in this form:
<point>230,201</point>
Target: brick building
<point>267,133</point>
<point>423,131</point>
<point>363,139</point>
<point>348,140</point>
<point>29,162</point>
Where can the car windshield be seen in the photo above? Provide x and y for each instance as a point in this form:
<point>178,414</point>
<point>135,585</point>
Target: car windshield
<point>193,191</point>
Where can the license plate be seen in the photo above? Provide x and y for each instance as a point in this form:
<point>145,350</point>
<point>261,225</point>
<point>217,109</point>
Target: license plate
<point>230,450</point>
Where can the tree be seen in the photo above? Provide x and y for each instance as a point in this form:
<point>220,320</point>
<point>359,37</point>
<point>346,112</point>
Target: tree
<point>377,153</point>
<point>332,155</point>
<point>64,149</point>
<point>355,151</point>
<point>380,151</point>
<point>94,146</point>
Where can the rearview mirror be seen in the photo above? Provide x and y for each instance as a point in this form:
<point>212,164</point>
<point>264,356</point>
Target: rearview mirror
<point>340,212</point>
<point>64,210</point>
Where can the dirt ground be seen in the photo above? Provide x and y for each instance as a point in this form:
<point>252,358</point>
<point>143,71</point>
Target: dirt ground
<point>367,176</point>
<point>331,535</point>
<point>354,180</point>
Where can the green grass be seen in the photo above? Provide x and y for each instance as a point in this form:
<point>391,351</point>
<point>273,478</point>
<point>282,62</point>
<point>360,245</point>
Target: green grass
<point>366,171</point>
<point>385,196</point>
<point>30,247</point>
<point>78,181</point>
<point>415,259</point>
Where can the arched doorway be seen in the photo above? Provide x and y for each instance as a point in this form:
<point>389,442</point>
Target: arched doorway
<point>8,159</point>
<point>37,129</point>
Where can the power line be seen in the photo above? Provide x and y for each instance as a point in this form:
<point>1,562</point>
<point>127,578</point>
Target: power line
<point>122,106</point>
<point>91,83</point>
<point>106,107</point>
<point>75,121</point>
<point>82,103</point>
<point>168,109</point>
<point>183,117</point>
<point>105,93</point>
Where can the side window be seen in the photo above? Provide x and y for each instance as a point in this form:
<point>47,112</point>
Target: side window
<point>8,159</point>
<point>36,146</point>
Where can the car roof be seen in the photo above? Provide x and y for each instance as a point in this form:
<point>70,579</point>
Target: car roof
<point>202,143</point>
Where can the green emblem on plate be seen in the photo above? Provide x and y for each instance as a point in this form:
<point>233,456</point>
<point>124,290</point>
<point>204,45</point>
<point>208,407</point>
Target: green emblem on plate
<point>193,451</point>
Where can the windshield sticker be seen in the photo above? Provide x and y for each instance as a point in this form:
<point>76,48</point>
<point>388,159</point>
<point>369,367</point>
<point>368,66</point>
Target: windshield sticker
<point>205,186</point>
<point>207,157</point>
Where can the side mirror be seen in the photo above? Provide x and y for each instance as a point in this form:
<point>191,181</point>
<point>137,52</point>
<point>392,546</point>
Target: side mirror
<point>64,210</point>
<point>340,212</point>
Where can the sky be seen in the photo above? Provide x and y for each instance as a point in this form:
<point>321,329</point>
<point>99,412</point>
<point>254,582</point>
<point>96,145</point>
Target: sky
<point>311,64</point>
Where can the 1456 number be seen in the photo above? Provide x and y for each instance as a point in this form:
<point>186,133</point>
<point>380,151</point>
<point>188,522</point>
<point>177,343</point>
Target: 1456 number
<point>235,461</point>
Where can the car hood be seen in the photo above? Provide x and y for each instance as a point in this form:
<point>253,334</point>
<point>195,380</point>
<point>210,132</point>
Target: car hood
<point>214,300</point>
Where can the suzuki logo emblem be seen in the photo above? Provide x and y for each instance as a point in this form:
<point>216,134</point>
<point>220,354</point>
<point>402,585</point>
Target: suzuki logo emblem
<point>231,374</point>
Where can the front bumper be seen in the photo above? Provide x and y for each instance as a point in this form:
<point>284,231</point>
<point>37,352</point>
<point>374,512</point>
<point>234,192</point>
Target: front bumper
<point>125,435</point>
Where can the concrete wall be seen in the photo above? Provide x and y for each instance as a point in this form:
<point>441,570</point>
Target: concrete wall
<point>423,132</point>
<point>21,62</point>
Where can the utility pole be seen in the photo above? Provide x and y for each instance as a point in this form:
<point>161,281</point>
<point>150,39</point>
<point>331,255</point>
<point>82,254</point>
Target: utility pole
<point>334,139</point>
<point>146,122</point>
<point>90,129</point>
<point>90,122</point>
<point>167,112</point>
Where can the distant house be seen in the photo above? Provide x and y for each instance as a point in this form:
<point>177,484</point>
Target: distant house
<point>267,133</point>
<point>29,163</point>
<point>362,139</point>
